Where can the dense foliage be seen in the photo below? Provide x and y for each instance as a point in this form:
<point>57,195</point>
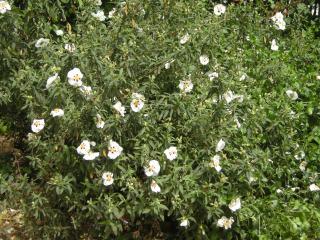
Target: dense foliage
<point>224,100</point>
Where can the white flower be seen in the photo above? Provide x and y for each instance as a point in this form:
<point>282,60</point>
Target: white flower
<point>86,91</point>
<point>99,15</point>
<point>155,187</point>
<point>137,102</point>
<point>235,204</point>
<point>75,77</point>
<point>292,94</point>
<point>91,155</point>
<point>114,150</point>
<point>300,155</point>
<point>184,223</point>
<point>167,65</point>
<point>314,188</point>
<point>111,13</point>
<point>42,42</point>
<point>225,222</point>
<point>212,75</point>
<point>219,9</point>
<point>278,191</point>
<point>152,169</point>
<point>274,46</point>
<point>318,77</point>
<point>31,136</point>
<point>59,32</point>
<point>119,108</point>
<point>37,125</point>
<point>220,146</point>
<point>215,162</point>
<point>97,2</point>
<point>171,153</point>
<point>243,77</point>
<point>99,122</point>
<point>70,47</point>
<point>303,165</point>
<point>57,112</point>
<point>237,122</point>
<point>277,17</point>
<point>185,38</point>
<point>186,86</point>
<point>4,6</point>
<point>84,147</point>
<point>51,80</point>
<point>279,21</point>
<point>204,59</point>
<point>228,96</point>
<point>107,178</point>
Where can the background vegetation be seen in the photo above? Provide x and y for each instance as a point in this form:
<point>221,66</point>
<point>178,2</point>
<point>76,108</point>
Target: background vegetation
<point>269,137</point>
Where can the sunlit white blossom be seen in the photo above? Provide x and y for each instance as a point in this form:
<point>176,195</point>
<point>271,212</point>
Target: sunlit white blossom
<point>314,188</point>
<point>31,136</point>
<point>114,150</point>
<point>167,65</point>
<point>292,94</point>
<point>204,59</point>
<point>185,38</point>
<point>107,178</point>
<point>212,75</point>
<point>302,166</point>
<point>219,9</point>
<point>99,15</point>
<point>243,77</point>
<point>155,187</point>
<point>235,204</point>
<point>274,46</point>
<point>86,91</point>
<point>171,153</point>
<point>237,122</point>
<point>4,7</point>
<point>119,108</point>
<point>152,169</point>
<point>220,145</point>
<point>75,77</point>
<point>278,21</point>
<point>57,112</point>
<point>51,80</point>
<point>186,86</point>
<point>84,147</point>
<point>229,96</point>
<point>59,32</point>
<point>37,125</point>
<point>300,155</point>
<point>184,223</point>
<point>225,222</point>
<point>42,42</point>
<point>318,77</point>
<point>99,122</point>
<point>111,13</point>
<point>89,156</point>
<point>278,191</point>
<point>137,102</point>
<point>70,47</point>
<point>215,162</point>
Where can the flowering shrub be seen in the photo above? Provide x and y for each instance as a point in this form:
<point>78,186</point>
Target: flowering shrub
<point>163,119</point>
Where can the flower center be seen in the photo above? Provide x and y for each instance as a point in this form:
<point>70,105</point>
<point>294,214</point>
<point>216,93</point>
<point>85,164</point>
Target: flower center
<point>112,149</point>
<point>76,77</point>
<point>136,102</point>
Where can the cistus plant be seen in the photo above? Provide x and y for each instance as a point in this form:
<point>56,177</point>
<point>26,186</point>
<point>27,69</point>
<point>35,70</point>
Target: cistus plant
<point>163,119</point>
